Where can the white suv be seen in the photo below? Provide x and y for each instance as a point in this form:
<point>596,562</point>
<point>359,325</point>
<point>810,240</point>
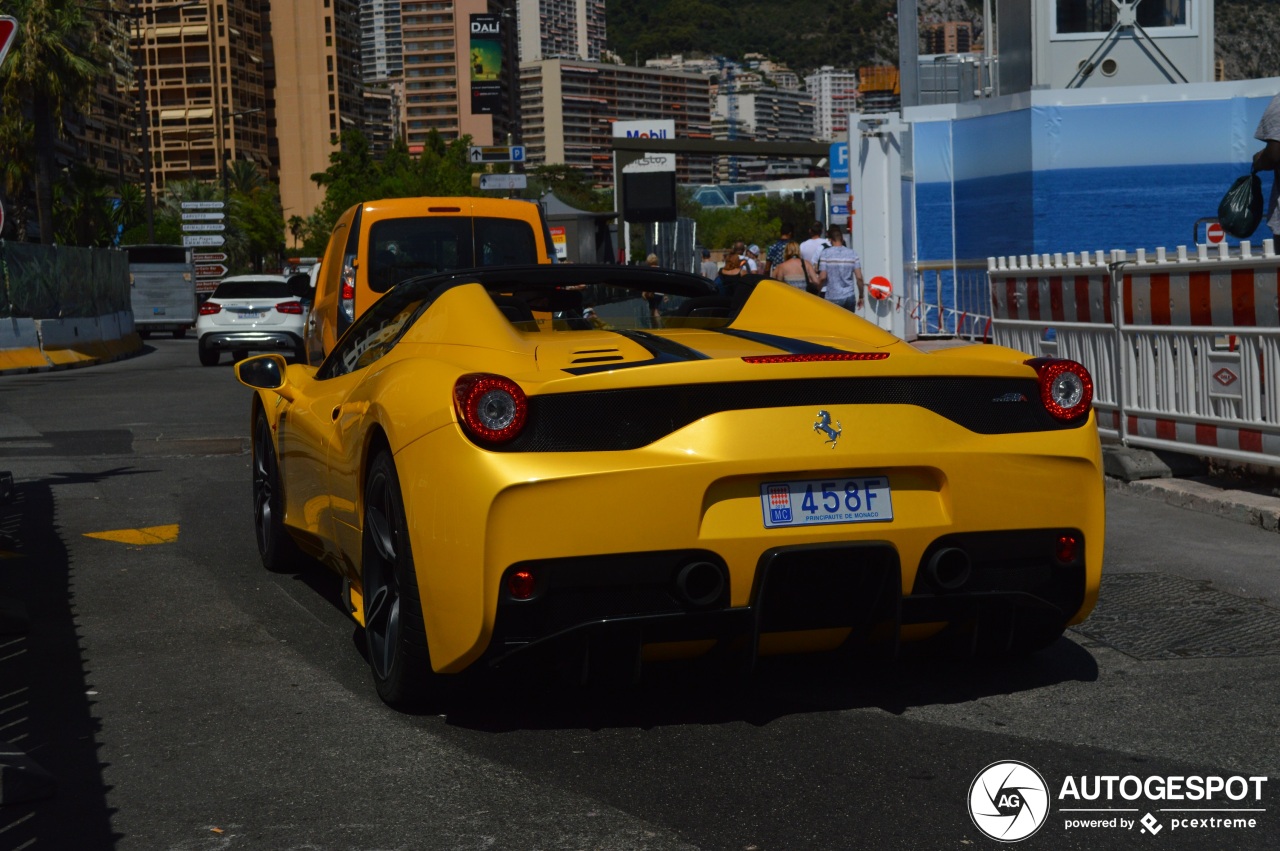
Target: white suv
<point>251,313</point>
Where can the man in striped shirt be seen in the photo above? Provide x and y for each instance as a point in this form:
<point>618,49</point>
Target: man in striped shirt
<point>840,270</point>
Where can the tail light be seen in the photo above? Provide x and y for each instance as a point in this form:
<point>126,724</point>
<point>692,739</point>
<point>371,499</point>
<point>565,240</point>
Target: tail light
<point>209,308</point>
<point>1066,548</point>
<point>492,409</point>
<point>294,307</point>
<point>347,295</point>
<point>819,357</point>
<point>521,584</point>
<point>1066,389</point>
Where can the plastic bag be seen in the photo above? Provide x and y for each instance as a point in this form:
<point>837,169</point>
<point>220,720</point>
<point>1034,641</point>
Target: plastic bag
<point>1241,209</point>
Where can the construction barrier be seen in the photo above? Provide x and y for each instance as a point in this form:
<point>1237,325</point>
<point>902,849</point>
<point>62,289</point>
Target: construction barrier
<point>1184,350</point>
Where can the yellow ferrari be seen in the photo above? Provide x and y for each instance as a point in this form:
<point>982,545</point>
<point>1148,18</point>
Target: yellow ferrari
<point>607,465</point>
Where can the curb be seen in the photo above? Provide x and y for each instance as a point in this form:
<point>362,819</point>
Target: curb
<point>44,345</point>
<point>1207,496</point>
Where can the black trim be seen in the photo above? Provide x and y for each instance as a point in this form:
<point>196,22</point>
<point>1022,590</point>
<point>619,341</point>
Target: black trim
<point>662,349</point>
<point>612,420</point>
<point>786,344</point>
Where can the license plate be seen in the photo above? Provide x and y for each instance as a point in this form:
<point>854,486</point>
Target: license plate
<point>817,502</point>
<point>252,314</point>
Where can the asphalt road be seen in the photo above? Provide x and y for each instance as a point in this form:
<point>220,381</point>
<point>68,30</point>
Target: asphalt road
<point>186,699</point>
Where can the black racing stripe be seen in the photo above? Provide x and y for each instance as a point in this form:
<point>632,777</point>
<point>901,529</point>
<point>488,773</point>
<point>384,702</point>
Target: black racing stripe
<point>662,349</point>
<point>790,345</point>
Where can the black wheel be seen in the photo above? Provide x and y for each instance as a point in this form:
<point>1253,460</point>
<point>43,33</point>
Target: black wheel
<point>179,333</point>
<point>300,354</point>
<point>394,630</point>
<point>239,355</point>
<point>144,334</point>
<point>277,550</point>
<point>208,356</point>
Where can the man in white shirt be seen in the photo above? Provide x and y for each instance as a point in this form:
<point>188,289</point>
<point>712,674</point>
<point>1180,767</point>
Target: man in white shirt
<point>812,247</point>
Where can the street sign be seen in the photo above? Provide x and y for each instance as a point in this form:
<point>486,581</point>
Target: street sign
<point>651,162</point>
<point>188,227</point>
<point>1,217</point>
<point>8,28</point>
<point>202,205</point>
<point>838,162</point>
<point>839,209</point>
<point>206,217</point>
<point>209,257</point>
<point>198,239</point>
<point>1215,233</point>
<point>504,181</point>
<point>497,154</point>
<point>213,271</point>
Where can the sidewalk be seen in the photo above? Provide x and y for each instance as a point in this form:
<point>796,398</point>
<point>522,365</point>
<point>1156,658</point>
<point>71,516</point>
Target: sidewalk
<point>1184,481</point>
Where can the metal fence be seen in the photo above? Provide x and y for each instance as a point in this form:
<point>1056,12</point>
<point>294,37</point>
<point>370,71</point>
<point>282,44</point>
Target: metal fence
<point>950,298</point>
<point>54,281</point>
<point>1184,350</point>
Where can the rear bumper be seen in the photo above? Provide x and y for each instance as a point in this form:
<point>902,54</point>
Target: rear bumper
<point>256,340</point>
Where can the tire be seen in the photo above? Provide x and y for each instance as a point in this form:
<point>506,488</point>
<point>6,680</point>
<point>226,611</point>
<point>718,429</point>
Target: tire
<point>239,355</point>
<point>395,635</point>
<point>277,550</point>
<point>208,356</point>
<point>144,333</point>
<point>179,333</point>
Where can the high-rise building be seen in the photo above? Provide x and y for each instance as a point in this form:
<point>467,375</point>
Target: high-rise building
<point>205,87</point>
<point>437,71</point>
<point>318,92</point>
<point>948,37</point>
<point>763,114</point>
<point>835,95</point>
<point>106,136</point>
<point>381,53</point>
<point>571,29</point>
<point>568,107</point>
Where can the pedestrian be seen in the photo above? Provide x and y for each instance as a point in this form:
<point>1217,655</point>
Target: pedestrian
<point>753,259</point>
<point>840,271</point>
<point>1269,157</point>
<point>651,261</point>
<point>774,254</point>
<point>730,275</point>
<point>794,269</point>
<point>813,246</point>
<point>709,268</point>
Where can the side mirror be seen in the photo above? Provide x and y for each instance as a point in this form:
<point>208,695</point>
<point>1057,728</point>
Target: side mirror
<point>264,372</point>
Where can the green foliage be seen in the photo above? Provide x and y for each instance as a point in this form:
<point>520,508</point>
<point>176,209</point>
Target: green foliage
<point>721,227</point>
<point>570,185</point>
<point>814,33</point>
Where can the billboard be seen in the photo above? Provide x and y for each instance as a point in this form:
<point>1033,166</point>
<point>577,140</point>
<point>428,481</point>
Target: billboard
<point>486,64</point>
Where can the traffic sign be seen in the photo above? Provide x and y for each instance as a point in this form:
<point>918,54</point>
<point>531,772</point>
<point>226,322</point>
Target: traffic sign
<point>8,28</point>
<point>209,257</point>
<point>839,209</point>
<point>200,239</point>
<point>1,217</point>
<point>215,270</point>
<point>497,154</point>
<point>1215,233</point>
<point>203,205</point>
<point>838,162</point>
<point>188,227</point>
<point>206,217</point>
<point>504,181</point>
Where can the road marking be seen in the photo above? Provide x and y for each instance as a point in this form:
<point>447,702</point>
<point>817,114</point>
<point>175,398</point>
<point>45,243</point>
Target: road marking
<point>140,537</point>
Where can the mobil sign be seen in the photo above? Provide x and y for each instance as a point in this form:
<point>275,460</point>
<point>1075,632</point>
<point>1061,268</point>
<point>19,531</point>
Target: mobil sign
<point>664,128</point>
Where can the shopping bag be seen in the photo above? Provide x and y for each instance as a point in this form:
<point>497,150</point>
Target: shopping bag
<point>1241,209</point>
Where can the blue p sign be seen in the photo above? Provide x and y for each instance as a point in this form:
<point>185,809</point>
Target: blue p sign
<point>839,160</point>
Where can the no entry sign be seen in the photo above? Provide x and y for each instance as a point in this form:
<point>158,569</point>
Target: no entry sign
<point>1215,233</point>
<point>8,27</point>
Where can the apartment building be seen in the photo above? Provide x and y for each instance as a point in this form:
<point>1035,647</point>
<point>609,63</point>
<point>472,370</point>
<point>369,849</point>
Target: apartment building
<point>436,36</point>
<point>835,95</point>
<point>570,29</point>
<point>204,85</point>
<point>381,51</point>
<point>106,135</point>
<point>318,91</point>
<point>568,107</point>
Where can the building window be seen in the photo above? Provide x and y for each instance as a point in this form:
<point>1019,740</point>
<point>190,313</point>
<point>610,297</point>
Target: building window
<point>1081,17</point>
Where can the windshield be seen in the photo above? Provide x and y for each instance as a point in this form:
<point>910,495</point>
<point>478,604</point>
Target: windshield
<point>405,247</point>
<point>257,288</point>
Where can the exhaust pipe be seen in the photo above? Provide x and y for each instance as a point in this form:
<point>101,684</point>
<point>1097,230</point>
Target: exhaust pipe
<point>699,583</point>
<point>949,569</point>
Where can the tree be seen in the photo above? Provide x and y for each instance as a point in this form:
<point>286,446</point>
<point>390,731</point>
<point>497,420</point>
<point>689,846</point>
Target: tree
<point>298,228</point>
<point>52,68</point>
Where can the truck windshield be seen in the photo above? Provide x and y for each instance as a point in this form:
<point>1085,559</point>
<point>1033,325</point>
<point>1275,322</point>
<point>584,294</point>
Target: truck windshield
<point>408,247</point>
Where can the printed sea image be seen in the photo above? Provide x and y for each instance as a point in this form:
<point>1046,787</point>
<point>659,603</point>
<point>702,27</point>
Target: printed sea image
<point>1068,210</point>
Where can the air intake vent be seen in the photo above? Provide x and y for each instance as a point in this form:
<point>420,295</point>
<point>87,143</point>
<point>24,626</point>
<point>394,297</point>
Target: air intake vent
<point>596,356</point>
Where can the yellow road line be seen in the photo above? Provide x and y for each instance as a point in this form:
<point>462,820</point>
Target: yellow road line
<point>139,537</point>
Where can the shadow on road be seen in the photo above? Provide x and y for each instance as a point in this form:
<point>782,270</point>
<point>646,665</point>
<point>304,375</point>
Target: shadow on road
<point>46,704</point>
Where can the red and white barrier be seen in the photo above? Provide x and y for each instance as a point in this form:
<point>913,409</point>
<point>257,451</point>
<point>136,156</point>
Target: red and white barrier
<point>1184,350</point>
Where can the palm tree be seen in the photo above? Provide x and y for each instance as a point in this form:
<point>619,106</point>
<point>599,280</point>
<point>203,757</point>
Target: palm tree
<point>52,67</point>
<point>297,226</point>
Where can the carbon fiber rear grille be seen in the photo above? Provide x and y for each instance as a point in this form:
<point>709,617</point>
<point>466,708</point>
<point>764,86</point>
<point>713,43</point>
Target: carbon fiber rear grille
<point>610,420</point>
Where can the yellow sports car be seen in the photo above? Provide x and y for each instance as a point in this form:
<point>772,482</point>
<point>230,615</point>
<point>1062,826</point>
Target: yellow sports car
<point>609,464</point>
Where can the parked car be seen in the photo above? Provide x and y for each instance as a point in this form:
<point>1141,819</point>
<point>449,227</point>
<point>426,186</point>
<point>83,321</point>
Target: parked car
<point>379,243</point>
<point>508,463</point>
<point>253,313</point>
